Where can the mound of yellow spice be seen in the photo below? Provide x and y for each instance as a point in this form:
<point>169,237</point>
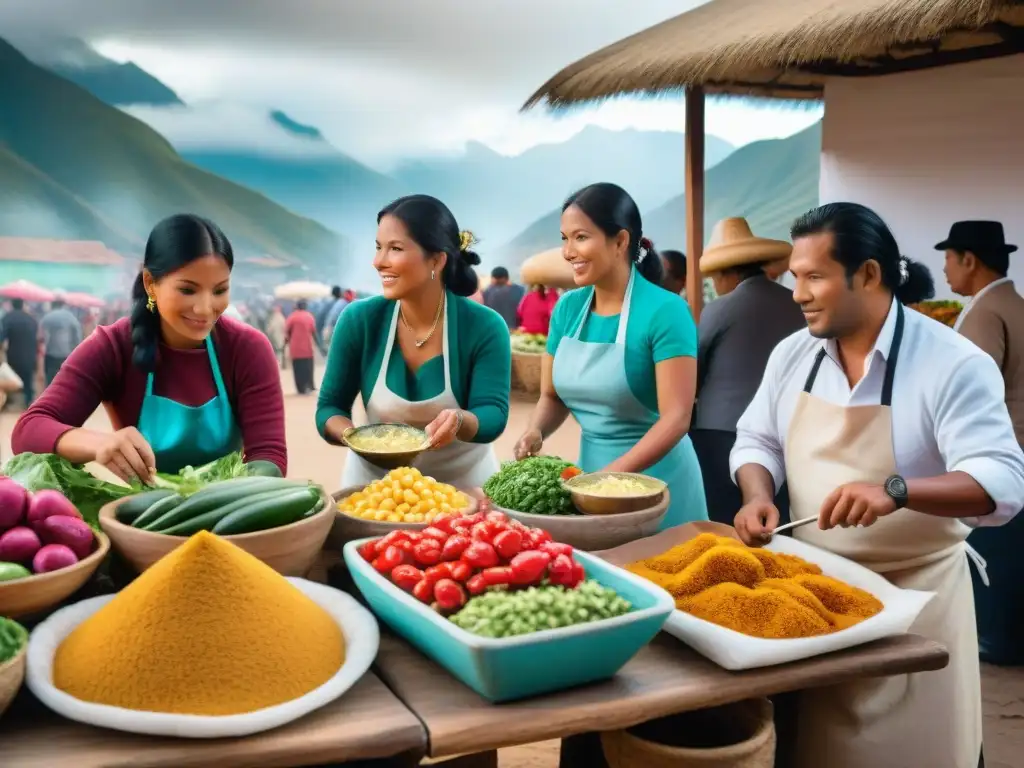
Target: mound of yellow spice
<point>755,591</point>
<point>207,630</point>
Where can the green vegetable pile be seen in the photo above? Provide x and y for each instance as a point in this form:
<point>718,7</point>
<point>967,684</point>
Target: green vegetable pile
<point>529,343</point>
<point>229,507</point>
<point>507,614</point>
<point>13,637</point>
<point>533,485</point>
<point>36,471</point>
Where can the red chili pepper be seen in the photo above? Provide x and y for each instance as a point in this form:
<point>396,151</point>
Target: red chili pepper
<point>427,552</point>
<point>461,571</point>
<point>454,547</point>
<point>496,577</point>
<point>430,532</point>
<point>480,554</point>
<point>529,567</point>
<point>368,551</point>
<point>476,584</point>
<point>508,543</point>
<point>560,572</point>
<point>449,595</point>
<point>406,577</point>
<point>555,548</point>
<point>424,591</point>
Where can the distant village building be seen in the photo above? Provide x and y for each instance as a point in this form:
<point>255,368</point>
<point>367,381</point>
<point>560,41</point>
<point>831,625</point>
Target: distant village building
<point>85,266</point>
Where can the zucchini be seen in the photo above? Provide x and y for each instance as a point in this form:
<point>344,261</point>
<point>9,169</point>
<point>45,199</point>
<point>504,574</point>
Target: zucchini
<point>260,468</point>
<point>156,509</point>
<point>269,513</point>
<point>215,496</point>
<point>130,509</point>
<point>207,520</point>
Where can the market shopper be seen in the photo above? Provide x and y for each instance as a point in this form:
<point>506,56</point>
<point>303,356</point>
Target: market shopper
<point>621,354</point>
<point>182,384</point>
<point>891,430</point>
<point>423,353</point>
<point>301,335</point>
<point>61,332</point>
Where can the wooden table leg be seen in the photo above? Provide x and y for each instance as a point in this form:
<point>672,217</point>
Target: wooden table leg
<point>583,751</point>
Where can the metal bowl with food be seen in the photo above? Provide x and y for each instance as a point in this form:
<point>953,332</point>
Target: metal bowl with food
<point>610,493</point>
<point>387,445</point>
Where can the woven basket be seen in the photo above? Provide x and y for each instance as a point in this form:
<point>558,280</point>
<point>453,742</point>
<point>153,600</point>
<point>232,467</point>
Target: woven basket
<point>526,370</point>
<point>738,735</point>
<point>12,673</point>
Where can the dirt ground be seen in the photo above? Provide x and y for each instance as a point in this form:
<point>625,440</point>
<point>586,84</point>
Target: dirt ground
<point>310,457</point>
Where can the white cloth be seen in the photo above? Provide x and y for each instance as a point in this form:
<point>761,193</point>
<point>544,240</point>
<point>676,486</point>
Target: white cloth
<point>974,300</point>
<point>464,465</point>
<point>949,409</point>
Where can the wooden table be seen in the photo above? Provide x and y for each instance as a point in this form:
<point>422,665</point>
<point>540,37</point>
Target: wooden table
<point>366,723</point>
<point>665,678</point>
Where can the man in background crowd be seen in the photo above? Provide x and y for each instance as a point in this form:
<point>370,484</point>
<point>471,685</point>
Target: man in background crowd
<point>674,271</point>
<point>61,333</point>
<point>19,333</point>
<point>300,330</point>
<point>321,317</point>
<point>336,308</point>
<point>503,296</point>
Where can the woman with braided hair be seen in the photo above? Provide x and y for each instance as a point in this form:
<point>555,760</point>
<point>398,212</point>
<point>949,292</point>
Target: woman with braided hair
<point>621,355</point>
<point>423,353</point>
<point>182,384</point>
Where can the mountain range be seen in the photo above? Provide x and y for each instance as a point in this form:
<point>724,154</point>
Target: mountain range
<point>292,205</point>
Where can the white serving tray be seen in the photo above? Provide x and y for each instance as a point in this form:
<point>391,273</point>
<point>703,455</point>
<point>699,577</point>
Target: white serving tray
<point>736,651</point>
<point>362,639</point>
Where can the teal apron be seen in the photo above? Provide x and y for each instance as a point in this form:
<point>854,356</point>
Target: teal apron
<point>184,435</point>
<point>590,378</point>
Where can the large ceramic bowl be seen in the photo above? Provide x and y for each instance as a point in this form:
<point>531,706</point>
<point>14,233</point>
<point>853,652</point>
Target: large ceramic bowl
<point>527,665</point>
<point>362,639</point>
<point>348,527</point>
<point>291,550</point>
<point>386,459</point>
<point>590,503</point>
<point>35,594</point>
<point>595,532</point>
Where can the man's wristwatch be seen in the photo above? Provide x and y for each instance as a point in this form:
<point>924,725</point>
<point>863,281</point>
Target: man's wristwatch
<point>896,488</point>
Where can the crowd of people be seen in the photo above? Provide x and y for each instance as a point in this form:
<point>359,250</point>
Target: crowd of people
<point>828,400</point>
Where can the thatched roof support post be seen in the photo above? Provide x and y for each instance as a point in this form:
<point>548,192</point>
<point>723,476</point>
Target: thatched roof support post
<point>694,186</point>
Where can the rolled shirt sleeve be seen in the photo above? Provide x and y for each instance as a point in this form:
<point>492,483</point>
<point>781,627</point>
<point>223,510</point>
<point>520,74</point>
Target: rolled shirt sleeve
<point>975,436</point>
<point>758,438</point>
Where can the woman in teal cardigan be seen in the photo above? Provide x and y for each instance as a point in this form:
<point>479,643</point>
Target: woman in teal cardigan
<point>422,353</point>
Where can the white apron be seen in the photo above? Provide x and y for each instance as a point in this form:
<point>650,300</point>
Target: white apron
<point>464,465</point>
<point>921,720</point>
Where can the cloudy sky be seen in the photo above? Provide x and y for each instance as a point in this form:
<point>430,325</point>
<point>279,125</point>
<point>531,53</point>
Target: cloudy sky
<point>382,79</point>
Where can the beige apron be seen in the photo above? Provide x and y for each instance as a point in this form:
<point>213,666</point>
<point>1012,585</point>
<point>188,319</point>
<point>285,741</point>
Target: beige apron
<point>464,465</point>
<point>923,720</point>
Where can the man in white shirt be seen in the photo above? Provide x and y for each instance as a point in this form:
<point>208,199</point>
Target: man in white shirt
<point>891,431</point>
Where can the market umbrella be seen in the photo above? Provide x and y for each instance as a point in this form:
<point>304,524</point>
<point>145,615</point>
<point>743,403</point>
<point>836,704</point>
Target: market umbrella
<point>83,300</point>
<point>23,289</point>
<point>302,289</point>
<point>547,268</point>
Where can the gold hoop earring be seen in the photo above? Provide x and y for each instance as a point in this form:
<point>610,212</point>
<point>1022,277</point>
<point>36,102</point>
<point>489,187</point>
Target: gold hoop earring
<point>151,304</point>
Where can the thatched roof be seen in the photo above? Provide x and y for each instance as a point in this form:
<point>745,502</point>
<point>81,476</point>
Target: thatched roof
<point>788,48</point>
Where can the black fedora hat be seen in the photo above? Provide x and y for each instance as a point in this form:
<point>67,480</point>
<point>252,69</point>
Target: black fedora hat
<point>976,236</point>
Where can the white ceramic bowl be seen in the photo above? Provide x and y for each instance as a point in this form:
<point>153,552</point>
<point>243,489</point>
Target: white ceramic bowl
<point>362,639</point>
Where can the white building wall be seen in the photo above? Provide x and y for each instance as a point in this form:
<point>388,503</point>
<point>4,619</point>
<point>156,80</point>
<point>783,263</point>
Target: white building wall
<point>928,148</point>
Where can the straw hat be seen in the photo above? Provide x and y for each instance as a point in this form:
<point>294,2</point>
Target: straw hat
<point>732,244</point>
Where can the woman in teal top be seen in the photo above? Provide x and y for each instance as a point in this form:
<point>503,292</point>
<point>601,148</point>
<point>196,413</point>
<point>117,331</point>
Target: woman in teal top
<point>621,355</point>
<point>422,353</point>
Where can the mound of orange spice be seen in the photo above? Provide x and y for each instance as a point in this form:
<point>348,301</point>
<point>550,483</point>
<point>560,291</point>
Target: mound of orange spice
<point>755,591</point>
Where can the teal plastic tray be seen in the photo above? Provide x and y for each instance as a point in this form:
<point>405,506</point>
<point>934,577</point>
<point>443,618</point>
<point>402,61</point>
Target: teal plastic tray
<point>527,665</point>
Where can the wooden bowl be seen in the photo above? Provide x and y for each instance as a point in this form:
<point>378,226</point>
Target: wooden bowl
<point>348,528</point>
<point>595,532</point>
<point>35,594</point>
<point>595,504</point>
<point>12,674</point>
<point>291,550</point>
<point>387,460</point>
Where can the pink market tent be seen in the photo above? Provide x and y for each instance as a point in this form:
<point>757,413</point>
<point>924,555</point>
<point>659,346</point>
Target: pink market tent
<point>23,289</point>
<point>83,300</point>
